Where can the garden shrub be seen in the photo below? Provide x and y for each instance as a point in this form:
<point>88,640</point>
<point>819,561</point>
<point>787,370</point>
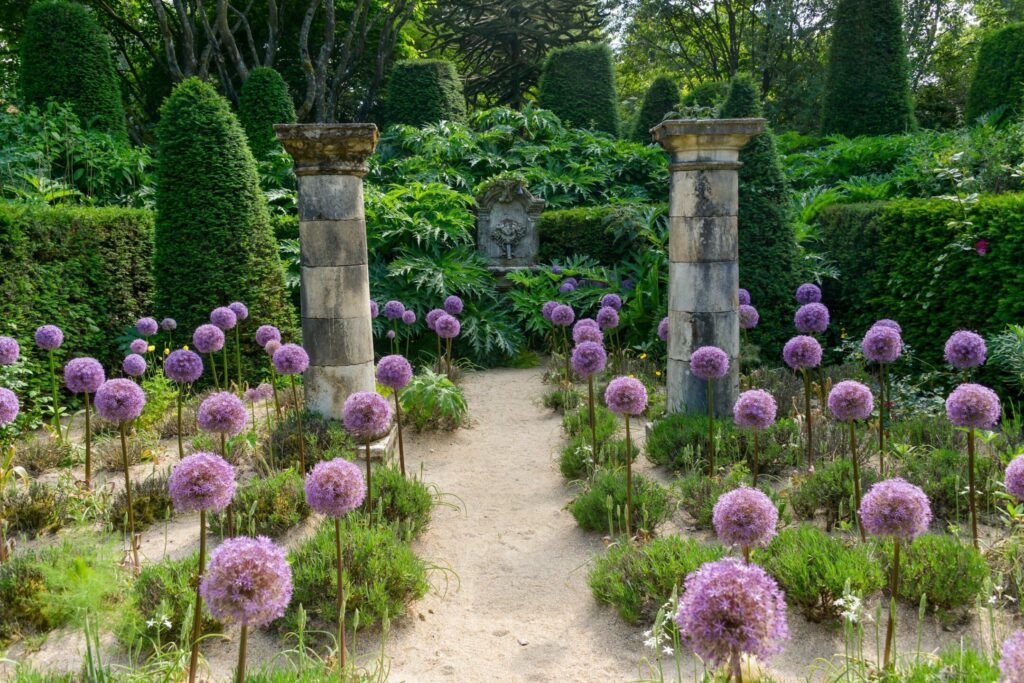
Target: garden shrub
<point>561,400</point>
<point>432,401</point>
<point>423,91</point>
<point>268,506</point>
<point>698,492</point>
<point>607,234</point>
<point>829,488</point>
<point>577,423</point>
<point>996,81</point>
<point>65,55</point>
<point>578,84</point>
<point>679,440</point>
<point>262,102</point>
<point>637,579</point>
<point>325,440</point>
<point>576,461</point>
<point>651,503</point>
<point>948,571</point>
<point>382,576</point>
<point>708,95</point>
<point>36,510</point>
<point>165,590</point>
<point>814,568</point>
<point>404,503</point>
<point>23,597</point>
<point>942,475</point>
<point>661,98</point>
<point>37,455</point>
<point>151,500</point>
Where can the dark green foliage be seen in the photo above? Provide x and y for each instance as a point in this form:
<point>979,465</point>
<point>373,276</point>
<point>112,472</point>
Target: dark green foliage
<point>942,475</point>
<point>424,91</point>
<point>829,488</point>
<point>577,423</point>
<point>576,461</point>
<point>638,579</point>
<point>945,569</point>
<point>998,72</point>
<point>698,492</point>
<point>660,99</point>
<point>578,84</point>
<point>39,509</point>
<point>325,439</point>
<point>382,575</point>
<point>709,94</point>
<point>266,507</point>
<point>651,503</point>
<point>23,595</point>
<point>166,589</point>
<point>404,503</point>
<point>607,234</point>
<point>262,102</point>
<point>868,88</point>
<point>768,253</point>
<point>432,401</point>
<point>814,568</point>
<point>151,500</point>
<point>563,399</point>
<point>65,55</point>
<point>214,244</point>
<point>86,268</point>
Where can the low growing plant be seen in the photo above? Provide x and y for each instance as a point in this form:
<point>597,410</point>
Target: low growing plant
<point>39,509</point>
<point>829,488</point>
<point>266,507</point>
<point>950,574</point>
<point>151,501</point>
<point>698,492</point>
<point>403,503</point>
<point>432,401</point>
<point>602,506</point>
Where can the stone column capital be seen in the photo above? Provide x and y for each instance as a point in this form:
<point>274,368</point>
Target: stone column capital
<point>698,144</point>
<point>328,148</point>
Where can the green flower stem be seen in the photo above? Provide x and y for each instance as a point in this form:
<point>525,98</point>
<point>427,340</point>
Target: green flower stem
<point>88,444</point>
<point>213,369</point>
<point>56,398</point>
<point>971,487</point>
<point>593,423</point>
<point>398,422</point>
<point>302,433</point>
<point>341,599</point>
<point>181,444</point>
<point>756,454</point>
<point>369,482</point>
<point>711,429</point>
<point>242,642</point>
<point>807,416</point>
<point>238,356</point>
<point>128,498</point>
<point>629,481</point>
<point>856,479</point>
<point>890,631</point>
<point>197,616</point>
<point>227,375</point>
<point>273,384</point>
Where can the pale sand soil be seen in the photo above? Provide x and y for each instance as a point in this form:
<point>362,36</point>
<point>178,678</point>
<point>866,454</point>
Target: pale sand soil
<point>510,602</point>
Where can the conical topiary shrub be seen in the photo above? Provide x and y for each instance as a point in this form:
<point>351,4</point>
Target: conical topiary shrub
<point>262,102</point>
<point>578,84</point>
<point>65,55</point>
<point>661,98</point>
<point>998,73</point>
<point>424,91</point>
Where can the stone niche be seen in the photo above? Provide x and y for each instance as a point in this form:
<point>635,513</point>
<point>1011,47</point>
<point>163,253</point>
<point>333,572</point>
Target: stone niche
<point>506,224</point>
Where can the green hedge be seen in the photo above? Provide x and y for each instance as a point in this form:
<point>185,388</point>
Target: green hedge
<point>424,91</point>
<point>997,72</point>
<point>605,233</point>
<point>661,98</point>
<point>87,270</point>
<point>902,260</point>
<point>578,84</point>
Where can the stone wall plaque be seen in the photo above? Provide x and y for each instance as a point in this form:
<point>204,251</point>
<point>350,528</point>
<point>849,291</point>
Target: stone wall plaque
<point>507,225</point>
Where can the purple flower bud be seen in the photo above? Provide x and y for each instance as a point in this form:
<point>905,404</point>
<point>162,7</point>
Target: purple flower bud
<point>393,310</point>
<point>83,375</point>
<point>562,315</point>
<point>588,358</point>
<point>409,317</point>
<point>882,344</point>
<point>755,409</point>
<point>1011,658</point>
<point>965,350</point>
<point>374,309</point>
<point>608,318</point>
<point>811,318</point>
<point>266,333</point>
<point>366,414</point>
<point>271,347</point>
<point>432,317</point>
<point>291,359</point>
<point>1015,478</point>
<point>183,367</point>
<point>886,322</point>
<point>587,333</point>
<point>663,329</point>
<point>335,487</point>
<point>745,517</point>
<point>392,334</point>
<point>168,324</point>
<point>749,317</point>
<point>895,509</point>
<point>802,352</point>
<point>709,362</point>
<point>973,406</point>
<point>240,310</point>
<point>611,301</point>
<point>224,318</point>
<point>808,293</point>
<point>548,308</point>
<point>147,327</point>
<point>566,287</point>
<point>120,400</point>
<point>447,326</point>
<point>743,296</point>
<point>134,365</point>
<point>49,337</point>
<point>138,346</point>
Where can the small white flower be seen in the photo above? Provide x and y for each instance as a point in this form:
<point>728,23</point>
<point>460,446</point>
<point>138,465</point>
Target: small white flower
<point>150,623</point>
<point>668,650</point>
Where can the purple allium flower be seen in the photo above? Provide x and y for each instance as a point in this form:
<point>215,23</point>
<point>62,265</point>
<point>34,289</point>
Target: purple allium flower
<point>432,317</point>
<point>374,309</point>
<point>586,333</point>
<point>222,413</point>
<point>709,362</point>
<point>168,324</point>
<point>202,481</point>
<point>271,347</point>
<point>1015,477</point>
<point>208,338</point>
<point>802,352</point>
<point>973,406</point>
<point>808,293</point>
<point>409,317</point>
<point>965,350</point>
<point>586,322</point>
<point>252,394</point>
<point>8,406</point>
<point>265,333</point>
<point>1011,658</point>
<point>547,309</point>
<point>120,400</point>
<point>572,281</point>
<point>811,319</point>
<point>447,326</point>
<point>749,317</point>
<point>335,487</point>
<point>453,305</point>
<point>882,344</point>
<point>626,396</point>
<point>562,315</point>
<point>265,390</point>
<point>566,287</point>
<point>9,351</point>
<point>895,508</point>
<point>248,580</point>
<point>745,517</point>
<point>608,318</point>
<point>139,346</point>
<point>850,400</point>
<point>588,358</point>
<point>743,296</point>
<point>240,310</point>
<point>224,318</point>
<point>83,375</point>
<point>183,367</point>
<point>49,337</point>
<point>147,327</point>
<point>611,301</point>
<point>393,310</point>
<point>755,408</point>
<point>366,414</point>
<point>134,365</point>
<point>886,322</point>
<point>729,608</point>
<point>291,359</point>
<point>556,270</point>
<point>394,371</point>
<point>391,334</point>
<point>663,329</point>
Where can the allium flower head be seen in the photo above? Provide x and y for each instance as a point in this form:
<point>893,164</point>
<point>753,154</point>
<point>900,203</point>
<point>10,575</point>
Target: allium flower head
<point>1011,659</point>
<point>608,318</point>
<point>586,322</point>
<point>743,296</point>
<point>745,517</point>
<point>432,317</point>
<point>265,390</point>
<point>138,346</point>
<point>562,315</point>
<point>240,310</point>
<point>8,406</point>
<point>882,344</point>
<point>147,327</point>
<point>755,409</point>
<point>183,367</point>
<point>248,580</point>
<point>391,334</point>
<point>547,309</point>
<point>409,317</point>
<point>224,318</point>
<point>556,269</point>
<point>611,301</point>
<point>709,362</point>
<point>49,337</point>
<point>366,414</point>
<point>1015,478</point>
<point>252,394</point>
<point>588,358</point>
<point>222,413</point>
<point>394,371</point>
<point>811,318</point>
<point>808,293</point>
<point>83,375</point>
<point>802,352</point>
<point>202,481</point>
<point>850,400</point>
<point>586,330</point>
<point>335,487</point>
<point>728,608</point>
<point>626,396</point>
<point>887,322</point>
<point>572,281</point>
<point>9,351</point>
<point>447,326</point>
<point>749,317</point>
<point>271,347</point>
<point>291,359</point>
<point>393,310</point>
<point>374,309</point>
<point>208,338</point>
<point>973,406</point>
<point>168,324</point>
<point>120,400</point>
<point>265,333</point>
<point>663,329</point>
<point>453,305</point>
<point>965,350</point>
<point>566,287</point>
<point>134,365</point>
<point>895,508</point>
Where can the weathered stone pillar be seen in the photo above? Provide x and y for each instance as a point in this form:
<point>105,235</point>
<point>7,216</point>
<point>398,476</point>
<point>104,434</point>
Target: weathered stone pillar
<point>330,162</point>
<point>703,306</point>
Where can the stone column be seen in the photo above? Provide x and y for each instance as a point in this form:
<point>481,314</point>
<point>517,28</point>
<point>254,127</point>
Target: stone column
<point>703,306</point>
<point>330,162</point>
